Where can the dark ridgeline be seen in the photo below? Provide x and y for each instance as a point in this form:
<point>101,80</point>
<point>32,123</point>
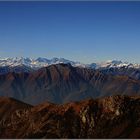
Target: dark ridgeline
<point>63,83</point>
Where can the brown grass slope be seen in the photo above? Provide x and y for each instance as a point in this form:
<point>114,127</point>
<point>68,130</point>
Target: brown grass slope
<point>63,83</point>
<point>110,117</point>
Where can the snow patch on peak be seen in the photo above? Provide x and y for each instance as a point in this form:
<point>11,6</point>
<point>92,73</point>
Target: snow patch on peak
<point>43,62</point>
<point>35,63</point>
<point>113,64</point>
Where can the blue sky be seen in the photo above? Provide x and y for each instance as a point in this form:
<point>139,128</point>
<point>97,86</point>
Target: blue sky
<point>82,31</point>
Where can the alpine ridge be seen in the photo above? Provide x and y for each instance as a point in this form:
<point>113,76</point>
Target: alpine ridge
<point>110,117</point>
<point>61,83</point>
<point>22,64</point>
<point>28,64</point>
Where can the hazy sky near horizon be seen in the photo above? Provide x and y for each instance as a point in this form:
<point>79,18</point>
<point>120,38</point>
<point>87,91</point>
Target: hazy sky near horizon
<point>82,31</point>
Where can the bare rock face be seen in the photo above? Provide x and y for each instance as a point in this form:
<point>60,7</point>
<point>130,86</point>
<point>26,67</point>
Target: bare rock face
<point>110,117</point>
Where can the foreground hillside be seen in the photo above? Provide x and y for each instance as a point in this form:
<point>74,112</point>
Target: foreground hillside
<point>63,83</point>
<point>110,117</point>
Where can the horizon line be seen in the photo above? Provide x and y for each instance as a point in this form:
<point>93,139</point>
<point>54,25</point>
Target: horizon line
<point>94,61</point>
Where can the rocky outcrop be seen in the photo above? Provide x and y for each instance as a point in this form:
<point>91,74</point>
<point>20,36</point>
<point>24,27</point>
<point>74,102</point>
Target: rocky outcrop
<point>110,117</point>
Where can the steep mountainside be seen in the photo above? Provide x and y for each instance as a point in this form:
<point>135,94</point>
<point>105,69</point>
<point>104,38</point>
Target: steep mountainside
<point>8,105</point>
<point>131,72</point>
<point>110,117</point>
<point>63,83</point>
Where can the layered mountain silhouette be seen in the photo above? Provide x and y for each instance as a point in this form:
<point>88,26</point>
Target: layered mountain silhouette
<point>21,64</point>
<point>62,101</point>
<point>63,83</point>
<point>109,117</point>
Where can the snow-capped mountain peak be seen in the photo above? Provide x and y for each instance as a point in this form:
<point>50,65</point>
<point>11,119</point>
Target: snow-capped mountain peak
<point>113,64</point>
<point>27,64</point>
<point>34,63</point>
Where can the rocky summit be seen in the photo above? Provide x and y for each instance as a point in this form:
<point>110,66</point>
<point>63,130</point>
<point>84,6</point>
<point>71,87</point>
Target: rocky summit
<point>109,117</point>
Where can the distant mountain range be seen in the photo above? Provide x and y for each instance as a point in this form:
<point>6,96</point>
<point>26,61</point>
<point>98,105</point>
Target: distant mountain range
<point>29,65</point>
<point>34,63</point>
<point>43,62</point>
<point>59,80</point>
